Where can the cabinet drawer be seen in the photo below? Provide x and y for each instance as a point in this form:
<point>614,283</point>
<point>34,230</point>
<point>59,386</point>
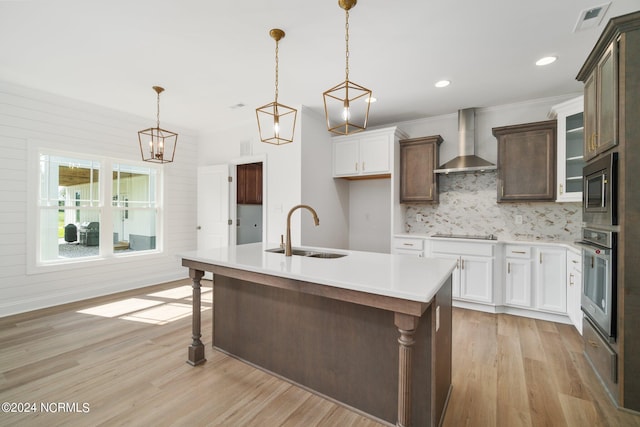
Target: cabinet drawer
<point>462,248</point>
<point>574,262</point>
<point>408,243</point>
<point>603,358</point>
<point>514,251</point>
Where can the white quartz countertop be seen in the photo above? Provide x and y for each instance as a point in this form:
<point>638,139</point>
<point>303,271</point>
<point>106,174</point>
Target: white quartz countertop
<point>399,276</point>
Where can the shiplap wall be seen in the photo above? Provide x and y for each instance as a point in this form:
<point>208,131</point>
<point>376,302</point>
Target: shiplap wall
<point>31,118</point>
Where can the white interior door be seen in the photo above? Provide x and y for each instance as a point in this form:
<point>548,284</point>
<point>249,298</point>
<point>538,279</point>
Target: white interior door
<point>213,206</point>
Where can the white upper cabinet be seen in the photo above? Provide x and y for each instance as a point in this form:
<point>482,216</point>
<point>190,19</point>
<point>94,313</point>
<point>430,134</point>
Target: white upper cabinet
<point>365,154</point>
<point>570,160</point>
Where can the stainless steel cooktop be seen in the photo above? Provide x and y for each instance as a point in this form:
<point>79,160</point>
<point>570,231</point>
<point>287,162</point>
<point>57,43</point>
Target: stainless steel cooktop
<point>467,236</point>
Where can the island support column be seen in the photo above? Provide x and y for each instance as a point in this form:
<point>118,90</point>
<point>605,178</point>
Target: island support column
<point>406,325</point>
<point>196,349</point>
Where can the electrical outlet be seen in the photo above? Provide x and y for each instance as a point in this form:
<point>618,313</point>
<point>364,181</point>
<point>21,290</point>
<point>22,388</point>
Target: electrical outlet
<point>518,219</point>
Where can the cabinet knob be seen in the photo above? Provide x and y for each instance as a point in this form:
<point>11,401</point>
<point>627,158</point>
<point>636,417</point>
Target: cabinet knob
<point>199,228</point>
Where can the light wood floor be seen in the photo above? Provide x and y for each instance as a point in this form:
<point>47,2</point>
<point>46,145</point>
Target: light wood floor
<point>124,357</point>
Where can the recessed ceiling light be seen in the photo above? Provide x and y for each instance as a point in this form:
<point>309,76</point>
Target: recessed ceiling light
<point>443,83</point>
<point>546,60</point>
<point>371,99</point>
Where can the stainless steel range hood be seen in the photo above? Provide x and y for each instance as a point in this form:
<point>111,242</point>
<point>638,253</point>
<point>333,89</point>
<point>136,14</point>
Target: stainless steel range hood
<point>466,161</point>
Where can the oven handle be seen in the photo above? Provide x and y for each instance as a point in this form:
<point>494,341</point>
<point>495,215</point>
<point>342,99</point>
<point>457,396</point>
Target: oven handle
<point>592,247</point>
<point>604,190</point>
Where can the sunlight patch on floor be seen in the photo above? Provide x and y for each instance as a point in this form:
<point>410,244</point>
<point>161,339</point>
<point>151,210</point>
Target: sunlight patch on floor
<point>118,308</point>
<point>161,315</point>
<point>176,305</point>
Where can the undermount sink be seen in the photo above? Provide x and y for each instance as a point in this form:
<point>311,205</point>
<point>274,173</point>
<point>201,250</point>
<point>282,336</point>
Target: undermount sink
<point>308,253</point>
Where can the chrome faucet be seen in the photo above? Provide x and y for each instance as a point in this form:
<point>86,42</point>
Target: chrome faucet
<point>287,249</point>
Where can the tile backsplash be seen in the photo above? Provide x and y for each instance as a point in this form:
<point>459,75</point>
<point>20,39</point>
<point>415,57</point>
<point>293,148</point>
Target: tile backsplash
<point>468,206</point>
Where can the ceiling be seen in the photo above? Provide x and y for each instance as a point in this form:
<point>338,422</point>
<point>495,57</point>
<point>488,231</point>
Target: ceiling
<point>211,55</point>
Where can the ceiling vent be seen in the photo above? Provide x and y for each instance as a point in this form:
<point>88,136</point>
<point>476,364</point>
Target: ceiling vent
<point>591,18</point>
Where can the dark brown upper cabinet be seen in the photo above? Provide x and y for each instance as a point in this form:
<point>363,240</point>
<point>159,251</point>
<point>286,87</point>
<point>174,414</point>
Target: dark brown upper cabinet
<point>601,104</point>
<point>249,184</point>
<point>419,157</point>
<point>526,162</point>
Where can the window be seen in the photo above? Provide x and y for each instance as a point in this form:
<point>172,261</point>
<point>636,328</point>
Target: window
<point>134,208</point>
<point>84,215</point>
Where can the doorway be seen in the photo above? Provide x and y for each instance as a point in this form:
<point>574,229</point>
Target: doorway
<point>249,203</point>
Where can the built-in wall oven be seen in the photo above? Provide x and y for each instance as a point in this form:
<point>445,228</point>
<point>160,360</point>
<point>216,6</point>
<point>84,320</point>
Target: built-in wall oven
<point>600,193</point>
<point>599,289</point>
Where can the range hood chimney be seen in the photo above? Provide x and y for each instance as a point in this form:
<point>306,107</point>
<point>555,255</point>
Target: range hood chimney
<point>466,161</point>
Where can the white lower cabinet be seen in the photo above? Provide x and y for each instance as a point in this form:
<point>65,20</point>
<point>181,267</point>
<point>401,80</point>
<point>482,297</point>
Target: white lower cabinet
<point>574,289</point>
<point>551,280</point>
<point>535,278</point>
<point>473,275</point>
<point>408,246</point>
<point>518,276</point>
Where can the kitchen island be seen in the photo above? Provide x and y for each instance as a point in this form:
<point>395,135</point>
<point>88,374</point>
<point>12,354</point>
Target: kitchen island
<point>368,330</point>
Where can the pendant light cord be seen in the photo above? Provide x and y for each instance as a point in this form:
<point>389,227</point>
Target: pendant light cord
<point>277,48</point>
<point>158,113</point>
<point>346,39</point>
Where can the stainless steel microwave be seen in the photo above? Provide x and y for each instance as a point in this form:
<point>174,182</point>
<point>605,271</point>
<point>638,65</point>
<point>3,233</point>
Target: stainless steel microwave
<point>600,192</point>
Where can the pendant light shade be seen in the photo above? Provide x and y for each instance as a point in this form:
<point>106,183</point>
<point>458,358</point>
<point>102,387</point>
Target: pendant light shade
<point>346,105</point>
<point>157,145</point>
<point>276,122</point>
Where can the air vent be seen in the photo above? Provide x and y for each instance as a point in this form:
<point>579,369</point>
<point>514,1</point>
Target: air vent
<point>591,18</point>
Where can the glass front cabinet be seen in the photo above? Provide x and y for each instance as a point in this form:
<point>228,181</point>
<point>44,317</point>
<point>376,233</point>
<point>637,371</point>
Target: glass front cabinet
<point>570,160</point>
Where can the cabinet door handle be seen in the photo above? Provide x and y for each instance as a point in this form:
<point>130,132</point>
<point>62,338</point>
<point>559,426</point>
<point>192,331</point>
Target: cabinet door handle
<point>592,258</point>
<point>430,192</point>
<point>593,344</point>
<point>540,257</point>
<point>408,244</point>
<point>508,268</point>
<point>518,252</point>
<point>571,283</point>
<point>561,189</point>
<point>463,263</point>
<point>502,190</point>
<point>458,263</point>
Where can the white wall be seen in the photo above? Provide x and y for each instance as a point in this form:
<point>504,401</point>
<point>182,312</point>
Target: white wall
<point>32,118</point>
<point>486,119</point>
<point>328,196</point>
<point>370,215</point>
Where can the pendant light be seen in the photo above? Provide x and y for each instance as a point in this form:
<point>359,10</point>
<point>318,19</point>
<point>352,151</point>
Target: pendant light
<point>157,145</point>
<point>276,122</point>
<point>346,105</point>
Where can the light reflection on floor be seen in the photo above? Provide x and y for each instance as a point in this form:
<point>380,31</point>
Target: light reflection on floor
<point>158,308</point>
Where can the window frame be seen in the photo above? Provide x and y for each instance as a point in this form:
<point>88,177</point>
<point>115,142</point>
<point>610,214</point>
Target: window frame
<point>105,208</point>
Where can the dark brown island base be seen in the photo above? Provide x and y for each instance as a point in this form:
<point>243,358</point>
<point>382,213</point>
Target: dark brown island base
<point>369,331</point>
